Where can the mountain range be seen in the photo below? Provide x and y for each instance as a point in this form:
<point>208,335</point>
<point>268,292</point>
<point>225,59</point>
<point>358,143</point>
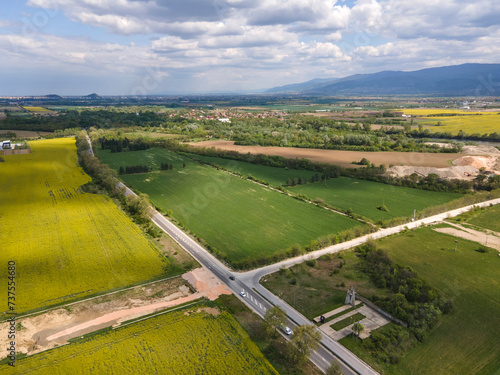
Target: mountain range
<point>455,80</point>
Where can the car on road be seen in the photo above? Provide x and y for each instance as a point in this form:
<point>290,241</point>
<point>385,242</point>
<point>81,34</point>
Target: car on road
<point>231,277</point>
<point>287,330</point>
<point>243,294</point>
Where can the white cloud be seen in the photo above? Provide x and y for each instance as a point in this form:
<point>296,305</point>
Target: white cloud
<point>258,43</point>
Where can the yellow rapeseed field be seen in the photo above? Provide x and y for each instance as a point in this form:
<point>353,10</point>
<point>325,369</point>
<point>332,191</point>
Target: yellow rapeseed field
<point>66,245</point>
<point>196,340</point>
<point>469,122</point>
<point>37,109</point>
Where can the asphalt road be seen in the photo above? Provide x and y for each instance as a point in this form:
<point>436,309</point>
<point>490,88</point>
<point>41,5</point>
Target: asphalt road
<point>259,299</point>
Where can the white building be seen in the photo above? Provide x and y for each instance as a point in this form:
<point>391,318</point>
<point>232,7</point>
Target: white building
<point>4,144</point>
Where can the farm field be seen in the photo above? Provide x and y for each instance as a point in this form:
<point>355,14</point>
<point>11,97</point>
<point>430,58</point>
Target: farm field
<point>200,339</point>
<point>468,339</point>
<point>239,219</point>
<point>362,196</point>
<point>467,121</point>
<point>142,133</point>
<point>37,109</point>
<point>274,176</point>
<point>342,158</point>
<point>66,245</point>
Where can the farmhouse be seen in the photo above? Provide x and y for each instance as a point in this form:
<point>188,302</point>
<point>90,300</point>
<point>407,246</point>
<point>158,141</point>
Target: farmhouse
<point>4,144</point>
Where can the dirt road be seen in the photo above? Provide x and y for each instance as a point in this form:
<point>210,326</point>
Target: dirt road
<point>53,328</point>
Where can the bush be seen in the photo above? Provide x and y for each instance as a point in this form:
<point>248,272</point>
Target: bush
<point>311,262</point>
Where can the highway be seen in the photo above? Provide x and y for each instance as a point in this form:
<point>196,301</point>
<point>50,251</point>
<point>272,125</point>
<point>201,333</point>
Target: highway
<point>259,299</point>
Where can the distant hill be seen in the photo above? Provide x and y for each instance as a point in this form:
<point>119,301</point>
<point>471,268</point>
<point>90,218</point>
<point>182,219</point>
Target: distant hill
<point>313,84</point>
<point>93,96</point>
<point>456,80</point>
<point>53,97</point>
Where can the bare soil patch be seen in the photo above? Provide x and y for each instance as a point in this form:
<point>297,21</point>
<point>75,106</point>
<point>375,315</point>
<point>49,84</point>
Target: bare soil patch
<point>54,328</point>
<point>25,134</point>
<point>15,152</point>
<point>480,150</point>
<point>342,158</point>
<point>490,238</point>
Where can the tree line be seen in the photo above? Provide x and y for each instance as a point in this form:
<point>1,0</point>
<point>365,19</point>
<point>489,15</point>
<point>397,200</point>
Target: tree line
<point>123,144</point>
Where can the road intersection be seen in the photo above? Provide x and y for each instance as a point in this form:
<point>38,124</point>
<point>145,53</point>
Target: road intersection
<point>259,299</point>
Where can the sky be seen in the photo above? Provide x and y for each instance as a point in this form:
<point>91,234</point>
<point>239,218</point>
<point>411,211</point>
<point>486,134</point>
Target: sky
<point>148,47</point>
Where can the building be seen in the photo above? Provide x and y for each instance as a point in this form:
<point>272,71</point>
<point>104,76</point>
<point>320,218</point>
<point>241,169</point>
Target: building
<point>4,144</point>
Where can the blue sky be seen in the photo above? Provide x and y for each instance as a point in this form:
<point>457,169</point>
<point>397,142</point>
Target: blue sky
<point>129,47</point>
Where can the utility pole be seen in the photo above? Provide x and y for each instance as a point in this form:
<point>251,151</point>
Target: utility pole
<point>456,243</point>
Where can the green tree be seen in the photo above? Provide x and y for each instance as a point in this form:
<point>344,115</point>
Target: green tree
<point>139,206</point>
<point>334,369</point>
<point>357,328</point>
<point>275,318</point>
<point>305,339</point>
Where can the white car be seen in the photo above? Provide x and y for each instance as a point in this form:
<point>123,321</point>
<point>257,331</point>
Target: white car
<point>287,330</point>
<point>243,294</point>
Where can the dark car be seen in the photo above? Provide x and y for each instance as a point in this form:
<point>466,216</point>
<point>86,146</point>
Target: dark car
<point>231,277</point>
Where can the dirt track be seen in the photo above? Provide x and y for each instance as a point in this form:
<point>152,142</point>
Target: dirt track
<point>38,333</point>
<point>343,158</point>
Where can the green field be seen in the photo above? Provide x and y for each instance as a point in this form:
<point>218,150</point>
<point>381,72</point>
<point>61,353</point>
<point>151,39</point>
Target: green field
<point>343,193</point>
<point>274,176</point>
<point>363,197</point>
<point>238,218</point>
<point>66,245</point>
<point>468,340</point>
<point>199,339</point>
<point>489,218</point>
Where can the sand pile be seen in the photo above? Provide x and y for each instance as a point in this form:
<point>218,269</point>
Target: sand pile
<point>458,172</point>
<point>480,150</point>
<point>478,162</point>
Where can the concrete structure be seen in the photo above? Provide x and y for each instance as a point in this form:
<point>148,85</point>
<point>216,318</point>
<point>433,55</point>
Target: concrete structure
<point>5,144</point>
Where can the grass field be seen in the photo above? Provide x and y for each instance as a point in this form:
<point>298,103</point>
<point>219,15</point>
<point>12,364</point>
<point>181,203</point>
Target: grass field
<point>347,321</point>
<point>142,133</point>
<point>238,218</point>
<point>66,245</point>
<point>199,339</point>
<point>274,176</point>
<point>468,121</point>
<point>488,218</point>
<point>468,340</point>
<point>362,196</point>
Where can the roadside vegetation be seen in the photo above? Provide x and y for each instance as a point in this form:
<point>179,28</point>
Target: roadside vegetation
<point>266,334</point>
